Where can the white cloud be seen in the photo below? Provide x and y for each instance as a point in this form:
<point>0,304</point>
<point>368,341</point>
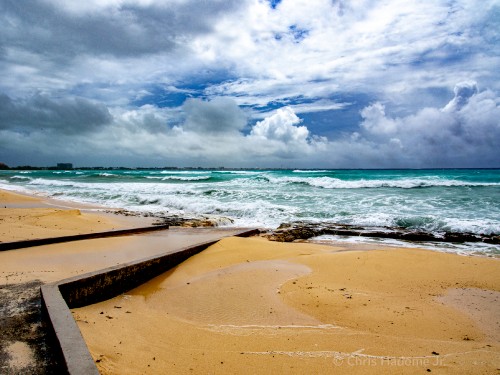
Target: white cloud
<point>384,48</point>
<point>147,133</point>
<point>281,127</point>
<point>431,137</point>
<point>344,46</point>
<point>463,92</point>
<point>375,120</point>
<point>147,118</point>
<point>466,132</point>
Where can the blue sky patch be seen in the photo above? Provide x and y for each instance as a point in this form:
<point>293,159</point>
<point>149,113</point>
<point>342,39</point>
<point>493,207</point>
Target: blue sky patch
<point>274,3</point>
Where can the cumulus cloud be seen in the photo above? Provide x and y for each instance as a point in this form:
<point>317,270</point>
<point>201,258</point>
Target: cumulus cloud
<point>281,126</point>
<point>279,137</point>
<point>375,120</point>
<point>382,48</point>
<point>147,119</point>
<point>213,134</point>
<point>463,92</point>
<point>466,132</point>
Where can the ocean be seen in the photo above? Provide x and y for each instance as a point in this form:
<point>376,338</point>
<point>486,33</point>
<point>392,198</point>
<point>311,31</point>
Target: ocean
<point>441,200</point>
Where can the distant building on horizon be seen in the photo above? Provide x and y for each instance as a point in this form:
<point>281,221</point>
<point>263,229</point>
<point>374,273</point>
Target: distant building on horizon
<point>65,166</point>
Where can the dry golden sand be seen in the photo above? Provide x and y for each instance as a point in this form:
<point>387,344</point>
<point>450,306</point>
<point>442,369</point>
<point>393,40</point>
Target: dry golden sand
<point>22,270</point>
<point>253,306</point>
<point>24,217</point>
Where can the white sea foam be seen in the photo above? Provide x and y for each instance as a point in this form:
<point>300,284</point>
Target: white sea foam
<point>476,248</point>
<point>179,178</point>
<point>20,178</point>
<point>409,183</point>
<point>183,172</point>
<point>479,226</point>
<point>242,172</point>
<point>309,171</point>
<point>5,185</point>
<point>47,182</point>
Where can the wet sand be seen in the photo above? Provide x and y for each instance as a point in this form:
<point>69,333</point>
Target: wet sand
<point>254,306</point>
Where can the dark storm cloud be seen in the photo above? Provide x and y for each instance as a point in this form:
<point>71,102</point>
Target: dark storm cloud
<point>129,30</point>
<point>40,113</point>
<point>221,115</point>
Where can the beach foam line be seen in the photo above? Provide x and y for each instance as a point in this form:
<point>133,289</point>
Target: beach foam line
<point>97,286</point>
<point>4,246</point>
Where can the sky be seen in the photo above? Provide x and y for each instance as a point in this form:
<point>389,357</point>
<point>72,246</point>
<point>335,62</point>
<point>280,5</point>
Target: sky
<point>250,83</point>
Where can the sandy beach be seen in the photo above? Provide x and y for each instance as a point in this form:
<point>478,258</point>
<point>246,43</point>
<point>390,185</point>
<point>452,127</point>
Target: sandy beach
<point>253,306</point>
<point>248,305</point>
<point>23,346</point>
<point>249,187</point>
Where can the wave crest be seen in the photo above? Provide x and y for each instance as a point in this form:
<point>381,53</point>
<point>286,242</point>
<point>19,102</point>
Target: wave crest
<point>411,183</point>
<point>179,178</point>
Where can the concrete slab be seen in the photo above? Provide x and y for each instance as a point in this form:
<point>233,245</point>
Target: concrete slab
<point>59,297</point>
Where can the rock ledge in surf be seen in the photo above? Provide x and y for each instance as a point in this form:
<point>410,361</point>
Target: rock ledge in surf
<point>288,232</point>
<point>178,221</point>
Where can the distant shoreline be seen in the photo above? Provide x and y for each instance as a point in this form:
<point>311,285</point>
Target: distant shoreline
<point>45,168</point>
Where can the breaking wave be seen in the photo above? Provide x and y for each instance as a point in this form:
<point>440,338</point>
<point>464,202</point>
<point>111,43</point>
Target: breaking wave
<point>433,201</point>
<point>411,183</point>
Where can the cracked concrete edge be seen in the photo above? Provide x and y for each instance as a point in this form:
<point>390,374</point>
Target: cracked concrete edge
<point>93,287</point>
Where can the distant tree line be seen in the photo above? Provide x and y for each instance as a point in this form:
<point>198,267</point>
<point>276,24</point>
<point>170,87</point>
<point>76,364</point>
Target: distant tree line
<point>4,166</point>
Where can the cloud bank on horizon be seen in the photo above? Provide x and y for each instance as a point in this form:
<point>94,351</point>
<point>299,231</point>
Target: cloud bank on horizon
<point>251,83</point>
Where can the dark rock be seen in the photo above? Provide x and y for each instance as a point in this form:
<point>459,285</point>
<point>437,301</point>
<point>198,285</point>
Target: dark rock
<point>176,220</point>
<point>288,232</point>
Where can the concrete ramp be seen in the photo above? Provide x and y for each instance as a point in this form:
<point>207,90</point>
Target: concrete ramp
<point>93,287</point>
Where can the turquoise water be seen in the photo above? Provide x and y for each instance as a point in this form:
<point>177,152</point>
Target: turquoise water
<point>432,200</point>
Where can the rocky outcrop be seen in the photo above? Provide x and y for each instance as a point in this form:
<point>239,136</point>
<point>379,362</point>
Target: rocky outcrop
<point>289,232</point>
<point>178,221</point>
